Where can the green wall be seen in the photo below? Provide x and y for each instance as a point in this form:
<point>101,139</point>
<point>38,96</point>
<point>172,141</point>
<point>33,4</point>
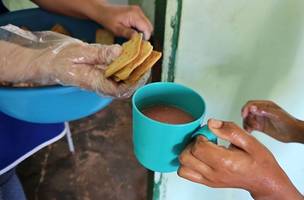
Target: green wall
<point>231,52</point>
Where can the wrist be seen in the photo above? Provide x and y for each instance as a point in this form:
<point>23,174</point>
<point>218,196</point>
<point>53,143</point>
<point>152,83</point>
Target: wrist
<point>299,134</point>
<point>275,196</point>
<point>284,192</point>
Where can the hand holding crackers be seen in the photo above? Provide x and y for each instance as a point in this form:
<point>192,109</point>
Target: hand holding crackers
<point>136,59</point>
<point>109,70</point>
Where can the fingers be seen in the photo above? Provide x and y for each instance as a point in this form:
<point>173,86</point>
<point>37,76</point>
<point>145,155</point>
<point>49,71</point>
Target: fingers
<point>249,128</point>
<point>256,113</point>
<point>188,159</point>
<point>131,22</point>
<point>192,175</point>
<point>96,54</point>
<point>231,132</point>
<point>85,76</point>
<point>86,70</point>
<point>193,169</point>
<point>205,150</point>
<point>250,105</point>
<point>111,88</point>
<point>202,164</point>
<point>106,54</point>
<point>93,79</point>
<point>254,122</point>
<point>149,24</point>
<point>125,31</point>
<point>141,22</point>
<point>81,75</point>
<point>125,90</point>
<point>249,114</point>
<point>125,21</point>
<point>259,107</point>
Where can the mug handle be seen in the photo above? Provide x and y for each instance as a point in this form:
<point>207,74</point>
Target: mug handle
<point>205,131</point>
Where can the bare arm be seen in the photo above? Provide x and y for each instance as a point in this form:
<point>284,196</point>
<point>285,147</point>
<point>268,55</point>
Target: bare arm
<point>268,117</point>
<point>245,164</point>
<point>75,8</point>
<point>121,20</point>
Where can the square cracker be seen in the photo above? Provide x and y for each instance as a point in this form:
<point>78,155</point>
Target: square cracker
<point>130,51</point>
<point>58,28</point>
<point>145,50</point>
<point>144,67</point>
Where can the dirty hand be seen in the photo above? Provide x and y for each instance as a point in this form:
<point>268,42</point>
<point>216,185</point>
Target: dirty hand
<point>48,58</point>
<point>268,117</point>
<point>245,164</point>
<point>122,20</point>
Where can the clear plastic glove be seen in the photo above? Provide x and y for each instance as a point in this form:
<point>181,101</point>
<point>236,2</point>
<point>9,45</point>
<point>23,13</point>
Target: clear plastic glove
<point>47,58</point>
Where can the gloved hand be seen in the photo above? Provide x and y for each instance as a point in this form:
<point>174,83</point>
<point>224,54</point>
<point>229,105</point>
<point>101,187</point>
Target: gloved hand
<point>48,58</point>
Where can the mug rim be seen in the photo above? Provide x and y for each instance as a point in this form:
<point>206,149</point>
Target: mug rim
<point>163,123</point>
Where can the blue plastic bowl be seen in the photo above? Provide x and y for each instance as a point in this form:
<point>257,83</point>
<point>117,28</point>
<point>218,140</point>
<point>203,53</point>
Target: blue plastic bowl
<point>55,103</point>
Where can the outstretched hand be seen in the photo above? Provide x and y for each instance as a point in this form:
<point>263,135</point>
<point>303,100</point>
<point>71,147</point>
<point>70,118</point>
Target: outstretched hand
<point>268,117</point>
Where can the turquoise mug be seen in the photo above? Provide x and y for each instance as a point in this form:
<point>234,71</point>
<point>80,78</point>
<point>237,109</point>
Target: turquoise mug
<point>157,145</point>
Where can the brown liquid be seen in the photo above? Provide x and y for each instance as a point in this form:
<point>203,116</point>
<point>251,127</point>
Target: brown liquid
<point>167,114</point>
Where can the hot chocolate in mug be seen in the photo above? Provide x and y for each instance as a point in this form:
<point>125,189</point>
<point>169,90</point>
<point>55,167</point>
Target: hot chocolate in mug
<point>157,145</point>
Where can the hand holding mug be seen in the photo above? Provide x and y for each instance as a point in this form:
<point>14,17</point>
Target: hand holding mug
<point>245,164</point>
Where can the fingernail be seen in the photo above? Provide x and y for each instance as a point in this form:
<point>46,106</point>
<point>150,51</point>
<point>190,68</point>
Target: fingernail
<point>214,123</point>
<point>249,130</point>
<point>253,108</point>
<point>244,113</point>
<point>202,138</point>
<point>145,37</point>
<point>117,50</point>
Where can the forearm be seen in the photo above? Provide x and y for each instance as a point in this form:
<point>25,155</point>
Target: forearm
<point>22,69</point>
<point>299,133</point>
<point>75,8</point>
<point>283,189</point>
<point>283,195</point>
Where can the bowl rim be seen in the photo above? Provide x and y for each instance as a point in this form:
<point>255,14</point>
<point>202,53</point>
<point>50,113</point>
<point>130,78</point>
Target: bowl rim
<point>43,89</point>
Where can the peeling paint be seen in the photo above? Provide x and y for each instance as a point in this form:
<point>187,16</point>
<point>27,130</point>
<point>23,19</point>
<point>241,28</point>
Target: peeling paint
<point>157,186</point>
<point>160,189</point>
<point>175,25</point>
<point>172,26</point>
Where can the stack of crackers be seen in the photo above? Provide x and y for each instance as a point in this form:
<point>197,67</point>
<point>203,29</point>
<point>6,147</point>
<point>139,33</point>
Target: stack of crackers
<point>136,59</point>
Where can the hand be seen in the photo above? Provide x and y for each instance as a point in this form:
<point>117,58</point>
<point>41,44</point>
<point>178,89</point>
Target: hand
<point>123,20</point>
<point>245,164</point>
<point>268,117</point>
<point>60,59</point>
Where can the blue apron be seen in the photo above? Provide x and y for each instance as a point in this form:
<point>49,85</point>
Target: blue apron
<point>19,139</point>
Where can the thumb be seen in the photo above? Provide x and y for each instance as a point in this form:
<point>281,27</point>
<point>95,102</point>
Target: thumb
<point>97,54</point>
<point>231,132</point>
<point>87,77</point>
